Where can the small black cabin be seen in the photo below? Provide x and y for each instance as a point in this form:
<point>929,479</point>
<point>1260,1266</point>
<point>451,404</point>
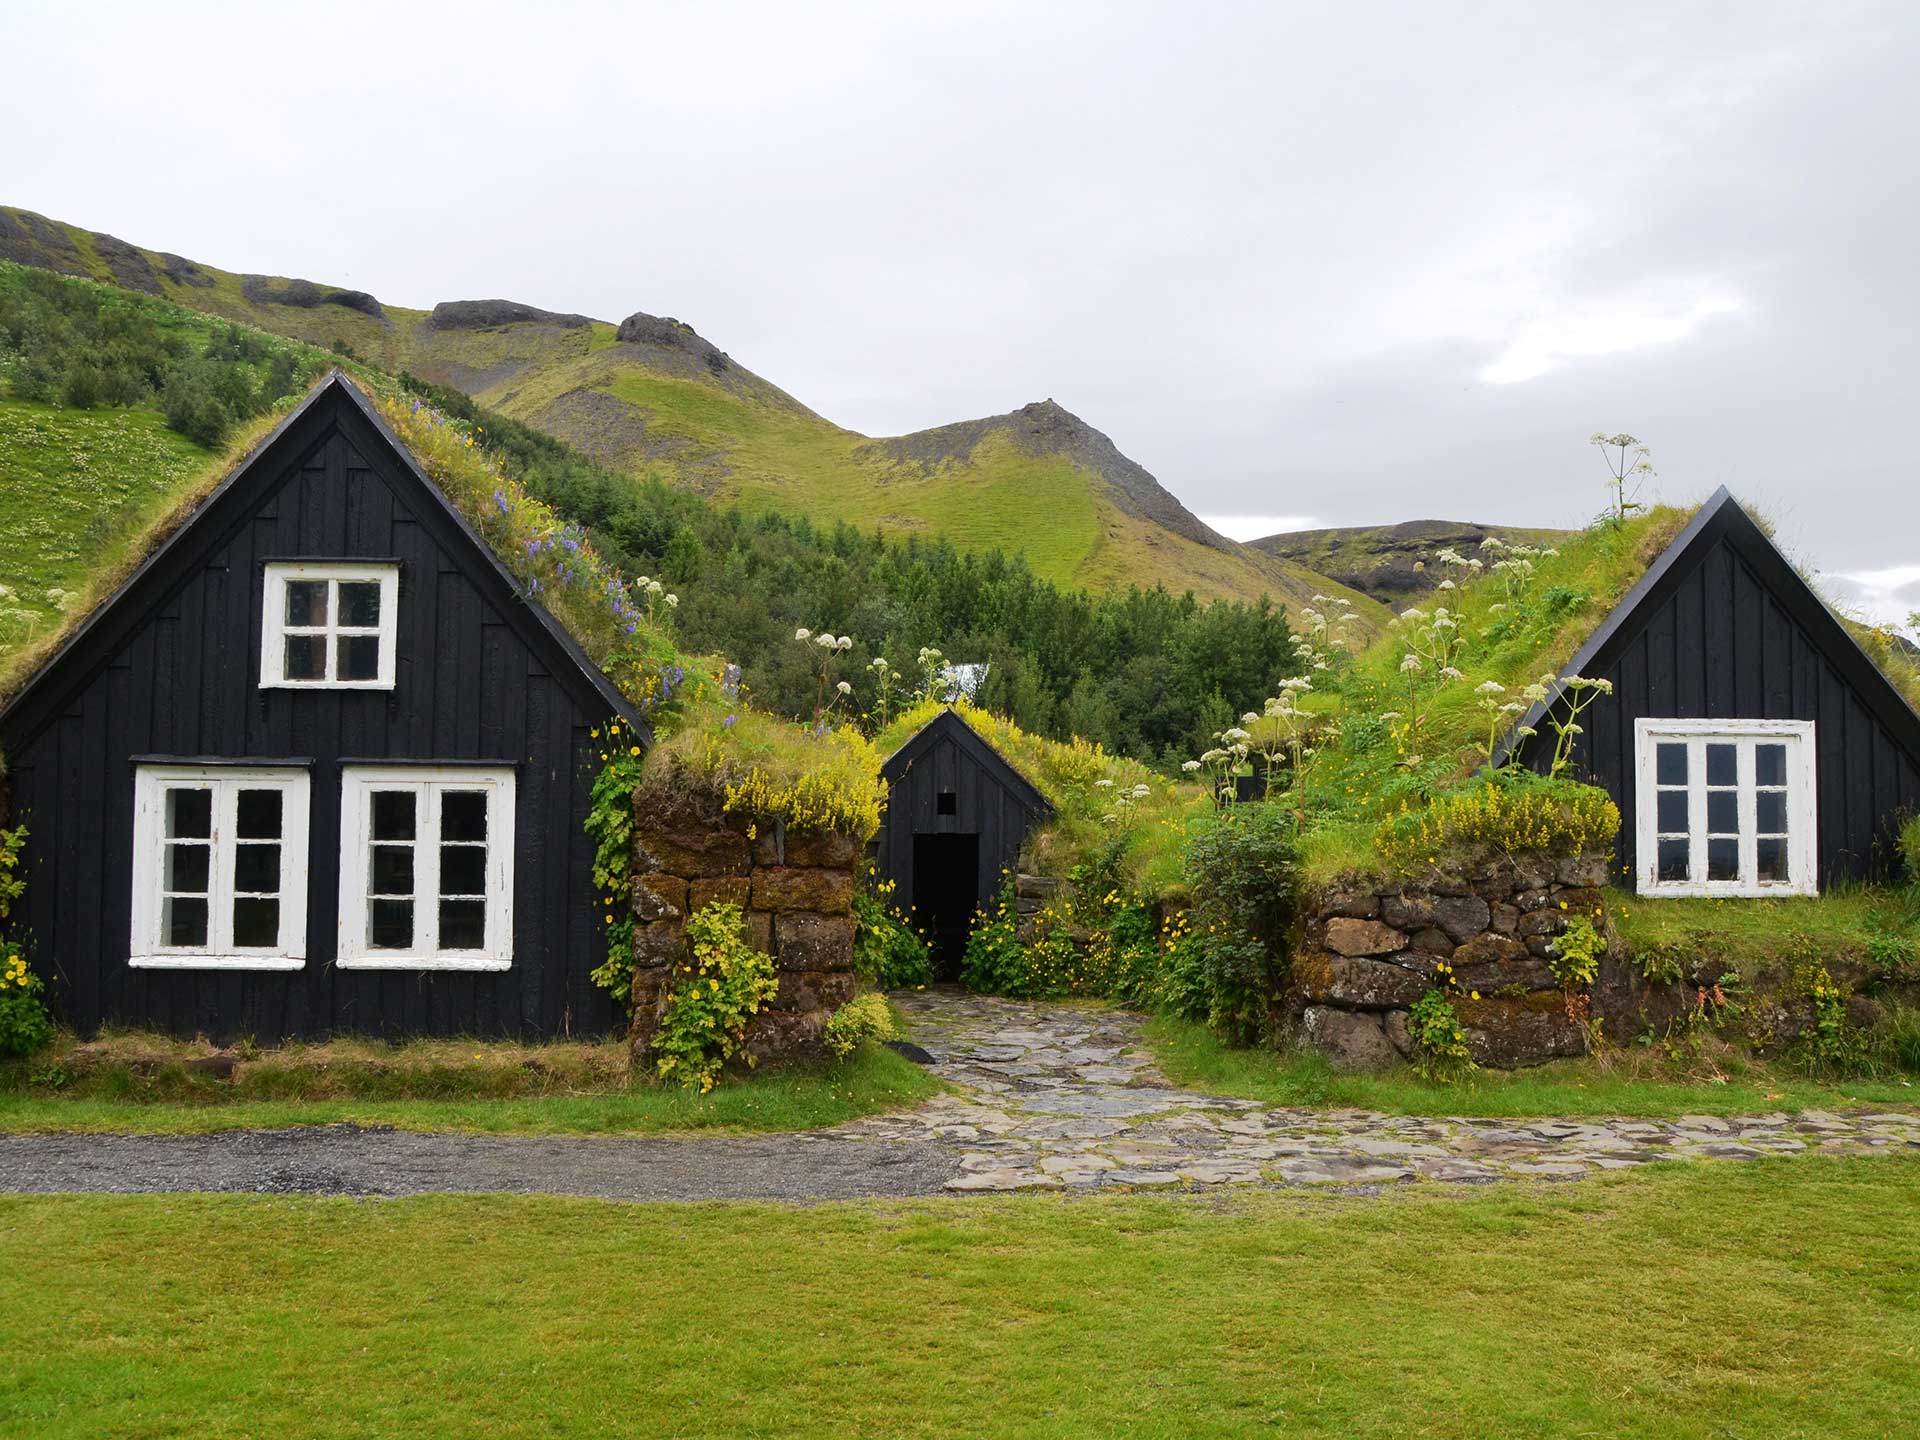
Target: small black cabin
<point>319,766</point>
<point>957,814</point>
<point>1753,747</point>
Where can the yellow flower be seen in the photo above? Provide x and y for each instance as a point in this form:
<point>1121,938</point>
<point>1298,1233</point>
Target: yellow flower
<point>634,751</point>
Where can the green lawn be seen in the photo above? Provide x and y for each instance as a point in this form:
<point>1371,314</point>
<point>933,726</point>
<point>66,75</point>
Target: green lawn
<point>1632,1082</point>
<point>442,1096</point>
<point>1773,1298</point>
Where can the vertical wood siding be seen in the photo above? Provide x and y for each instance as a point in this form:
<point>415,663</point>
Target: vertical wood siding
<point>989,802</point>
<point>1722,646</point>
<point>468,688</point>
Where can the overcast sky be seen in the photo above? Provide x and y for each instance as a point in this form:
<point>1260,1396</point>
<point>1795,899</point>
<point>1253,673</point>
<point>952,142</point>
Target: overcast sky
<point>1332,264</point>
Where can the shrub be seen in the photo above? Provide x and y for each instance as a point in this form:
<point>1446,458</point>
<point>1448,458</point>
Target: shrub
<point>192,408</point>
<point>1575,953</point>
<point>1243,873</point>
<point>24,1025</point>
<point>1439,1044</point>
<point>1910,849</point>
<point>887,951</point>
<point>1052,963</point>
<point>865,1017</point>
<point>1829,1044</point>
<point>1511,814</point>
<point>716,993</point>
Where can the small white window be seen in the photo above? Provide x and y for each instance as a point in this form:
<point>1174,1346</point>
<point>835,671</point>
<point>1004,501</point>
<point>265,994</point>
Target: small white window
<point>329,625</point>
<point>219,867</point>
<point>426,868</point>
<point>1727,807</point>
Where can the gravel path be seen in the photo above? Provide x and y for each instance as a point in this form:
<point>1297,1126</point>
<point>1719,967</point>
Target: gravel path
<point>1047,1098</point>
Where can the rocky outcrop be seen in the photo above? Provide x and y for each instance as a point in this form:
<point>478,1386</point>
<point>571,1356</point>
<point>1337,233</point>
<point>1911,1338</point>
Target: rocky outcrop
<point>663,332</point>
<point>796,897</point>
<point>483,314</point>
<point>305,295</point>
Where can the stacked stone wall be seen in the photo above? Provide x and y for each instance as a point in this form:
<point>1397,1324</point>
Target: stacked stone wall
<point>795,893</point>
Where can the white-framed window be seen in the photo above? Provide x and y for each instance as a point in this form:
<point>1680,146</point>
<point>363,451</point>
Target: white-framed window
<point>329,625</point>
<point>219,867</point>
<point>1726,807</point>
<point>426,867</point>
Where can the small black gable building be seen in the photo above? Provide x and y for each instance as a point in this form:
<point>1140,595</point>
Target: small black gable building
<point>319,766</point>
<point>1753,747</point>
<point>957,814</point>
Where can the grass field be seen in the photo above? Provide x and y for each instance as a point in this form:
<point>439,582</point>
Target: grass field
<point>1629,1082</point>
<point>1773,1298</point>
<point>495,1091</point>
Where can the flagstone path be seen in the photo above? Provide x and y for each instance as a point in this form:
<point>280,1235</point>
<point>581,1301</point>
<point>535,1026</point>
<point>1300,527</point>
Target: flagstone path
<point>1052,1097</point>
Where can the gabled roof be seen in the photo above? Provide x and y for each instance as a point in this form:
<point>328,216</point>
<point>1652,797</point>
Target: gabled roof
<point>334,402</point>
<point>1723,519</point>
<point>948,725</point>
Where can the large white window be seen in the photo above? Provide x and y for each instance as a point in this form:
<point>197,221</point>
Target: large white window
<point>1726,807</point>
<point>219,867</point>
<point>426,868</point>
<point>329,625</point>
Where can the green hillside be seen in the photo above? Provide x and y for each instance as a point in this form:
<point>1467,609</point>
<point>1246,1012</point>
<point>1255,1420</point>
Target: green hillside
<point>652,397</point>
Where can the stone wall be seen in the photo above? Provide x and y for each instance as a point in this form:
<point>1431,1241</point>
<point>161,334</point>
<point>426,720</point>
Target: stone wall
<point>795,892</point>
<point>1365,953</point>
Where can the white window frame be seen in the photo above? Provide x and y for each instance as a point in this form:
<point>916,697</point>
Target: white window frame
<point>429,783</point>
<point>1803,810</point>
<point>273,626</point>
<point>150,785</point>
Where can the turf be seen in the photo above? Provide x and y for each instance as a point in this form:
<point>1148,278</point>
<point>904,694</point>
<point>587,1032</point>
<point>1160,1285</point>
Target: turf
<point>76,488</point>
<point>1773,1298</point>
<point>443,1096</point>
<point>1643,1083</point>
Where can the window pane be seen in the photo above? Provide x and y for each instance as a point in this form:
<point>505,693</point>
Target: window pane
<point>187,868</point>
<point>1773,857</point>
<point>392,870</point>
<point>256,922</point>
<point>391,926</point>
<point>306,602</point>
<point>463,869</point>
<point>1671,764</point>
<point>306,657</point>
<point>463,924</point>
<point>1770,812</point>
<point>359,602</point>
<point>258,815</point>
<point>393,814</point>
<point>1723,812</point>
<point>190,814</point>
<point>1722,765</point>
<point>1673,812</point>
<point>463,815</point>
<point>256,869</point>
<point>1723,859</point>
<point>359,658</point>
<point>1673,860</point>
<point>183,921</point>
<point>1769,764</point>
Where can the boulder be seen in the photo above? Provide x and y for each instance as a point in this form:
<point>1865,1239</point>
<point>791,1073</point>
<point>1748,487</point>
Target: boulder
<point>659,896</point>
<point>1347,936</point>
<point>1353,904</point>
<point>1462,916</point>
<point>814,989</point>
<point>1349,1039</point>
<point>1497,962</point>
<point>716,890</point>
<point>695,853</point>
<point>1585,871</point>
<point>1503,919</point>
<point>1365,984</point>
<point>659,944</point>
<point>1432,941</point>
<point>1506,1033</point>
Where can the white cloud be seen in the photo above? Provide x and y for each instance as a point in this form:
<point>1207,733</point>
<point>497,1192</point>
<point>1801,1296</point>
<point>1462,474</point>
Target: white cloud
<point>1607,327</point>
<point>1883,597</point>
<point>1257,527</point>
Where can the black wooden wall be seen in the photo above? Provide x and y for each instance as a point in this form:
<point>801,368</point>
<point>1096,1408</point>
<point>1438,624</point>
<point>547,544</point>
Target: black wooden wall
<point>1721,641</point>
<point>991,800</point>
<point>475,682</point>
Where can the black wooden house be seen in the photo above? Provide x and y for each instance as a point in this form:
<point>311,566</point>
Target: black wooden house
<point>1753,747</point>
<point>319,766</point>
<point>957,814</point>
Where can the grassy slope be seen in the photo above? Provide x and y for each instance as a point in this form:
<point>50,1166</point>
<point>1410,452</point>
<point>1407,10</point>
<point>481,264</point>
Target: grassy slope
<point>1360,554</point>
<point>760,447</point>
<point>1767,1298</point>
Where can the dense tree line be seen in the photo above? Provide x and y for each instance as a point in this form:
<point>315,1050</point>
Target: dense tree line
<point>1146,673</point>
<point>85,346</point>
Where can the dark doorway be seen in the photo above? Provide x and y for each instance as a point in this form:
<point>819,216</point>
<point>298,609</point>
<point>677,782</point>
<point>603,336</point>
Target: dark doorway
<point>946,877</point>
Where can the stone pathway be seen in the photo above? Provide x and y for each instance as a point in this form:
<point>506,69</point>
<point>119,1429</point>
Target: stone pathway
<point>1046,1097</point>
<point>1061,1096</point>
